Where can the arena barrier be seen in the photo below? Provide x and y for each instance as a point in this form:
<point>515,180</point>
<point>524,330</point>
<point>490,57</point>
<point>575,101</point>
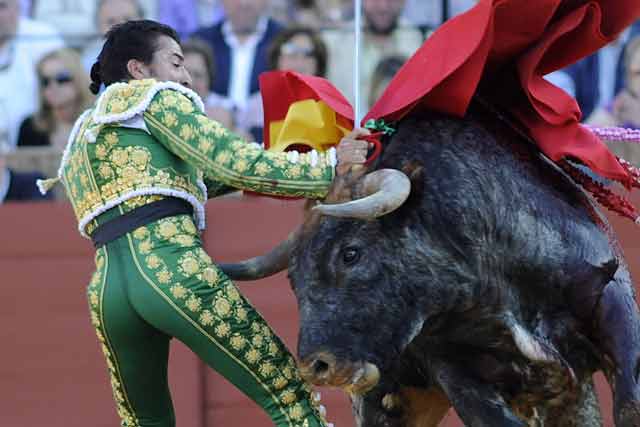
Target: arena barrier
<point>53,372</point>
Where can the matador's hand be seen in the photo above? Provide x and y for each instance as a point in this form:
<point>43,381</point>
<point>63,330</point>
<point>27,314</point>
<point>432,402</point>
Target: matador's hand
<point>351,150</point>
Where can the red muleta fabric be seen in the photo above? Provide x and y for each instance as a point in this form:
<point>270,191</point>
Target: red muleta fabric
<point>502,48</point>
<point>521,40</point>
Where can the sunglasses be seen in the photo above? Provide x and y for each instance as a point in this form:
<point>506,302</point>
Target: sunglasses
<point>60,78</point>
<point>294,49</point>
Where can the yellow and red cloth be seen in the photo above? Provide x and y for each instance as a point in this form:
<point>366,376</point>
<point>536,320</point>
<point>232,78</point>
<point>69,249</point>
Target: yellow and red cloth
<point>513,42</point>
<point>301,110</point>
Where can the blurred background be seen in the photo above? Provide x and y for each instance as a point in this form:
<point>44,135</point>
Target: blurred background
<point>52,371</point>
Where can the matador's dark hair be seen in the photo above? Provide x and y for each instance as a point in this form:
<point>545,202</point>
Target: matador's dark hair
<point>126,41</point>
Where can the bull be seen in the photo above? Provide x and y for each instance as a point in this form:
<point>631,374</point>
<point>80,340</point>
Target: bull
<point>463,269</point>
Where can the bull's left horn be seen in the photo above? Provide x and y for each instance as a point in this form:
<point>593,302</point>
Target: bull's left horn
<point>386,190</point>
<point>265,265</point>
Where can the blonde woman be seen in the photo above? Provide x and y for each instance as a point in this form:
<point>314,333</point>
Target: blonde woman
<point>64,95</point>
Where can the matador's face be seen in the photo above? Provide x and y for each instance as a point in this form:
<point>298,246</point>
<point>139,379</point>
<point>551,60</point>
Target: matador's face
<point>168,63</point>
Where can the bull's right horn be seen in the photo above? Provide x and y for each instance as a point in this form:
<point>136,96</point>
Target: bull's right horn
<point>386,190</point>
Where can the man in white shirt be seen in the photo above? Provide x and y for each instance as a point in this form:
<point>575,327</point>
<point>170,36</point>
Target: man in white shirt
<point>22,43</point>
<point>239,43</point>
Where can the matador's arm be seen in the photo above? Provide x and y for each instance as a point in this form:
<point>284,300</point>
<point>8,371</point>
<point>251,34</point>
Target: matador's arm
<point>229,161</point>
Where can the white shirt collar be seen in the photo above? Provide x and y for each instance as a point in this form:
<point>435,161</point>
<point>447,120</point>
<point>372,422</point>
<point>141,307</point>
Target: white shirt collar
<point>242,61</point>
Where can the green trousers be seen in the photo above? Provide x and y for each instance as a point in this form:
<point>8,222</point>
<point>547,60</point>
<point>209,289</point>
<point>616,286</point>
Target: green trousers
<point>157,283</point>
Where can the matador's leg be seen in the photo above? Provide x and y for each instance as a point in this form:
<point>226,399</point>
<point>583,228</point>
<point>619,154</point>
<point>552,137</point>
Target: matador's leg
<point>136,353</point>
<point>182,293</point>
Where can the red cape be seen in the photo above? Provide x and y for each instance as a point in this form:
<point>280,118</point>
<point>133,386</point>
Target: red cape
<point>522,40</point>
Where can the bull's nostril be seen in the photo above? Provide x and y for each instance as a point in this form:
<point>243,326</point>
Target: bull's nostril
<point>320,368</point>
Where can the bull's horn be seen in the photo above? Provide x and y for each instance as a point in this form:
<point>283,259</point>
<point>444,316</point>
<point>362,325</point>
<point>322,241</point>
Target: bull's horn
<point>386,190</point>
<point>265,265</point>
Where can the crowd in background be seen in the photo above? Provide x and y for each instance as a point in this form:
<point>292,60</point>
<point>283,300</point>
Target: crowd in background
<point>48,47</point>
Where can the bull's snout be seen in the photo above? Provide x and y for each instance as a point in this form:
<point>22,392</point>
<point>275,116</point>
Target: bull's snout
<point>323,369</point>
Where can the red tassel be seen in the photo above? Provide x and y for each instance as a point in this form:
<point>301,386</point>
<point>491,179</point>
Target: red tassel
<point>633,171</point>
<point>603,195</point>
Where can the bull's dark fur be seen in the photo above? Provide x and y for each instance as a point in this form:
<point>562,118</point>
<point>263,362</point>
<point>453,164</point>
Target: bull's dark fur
<point>492,236</point>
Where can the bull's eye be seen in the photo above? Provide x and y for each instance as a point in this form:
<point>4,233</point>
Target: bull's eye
<point>350,255</point>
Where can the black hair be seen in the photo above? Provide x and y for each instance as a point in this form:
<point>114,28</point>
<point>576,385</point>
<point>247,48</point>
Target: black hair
<point>126,41</point>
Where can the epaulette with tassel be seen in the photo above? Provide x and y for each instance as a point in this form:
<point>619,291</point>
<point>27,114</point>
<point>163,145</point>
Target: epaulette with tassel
<point>44,185</point>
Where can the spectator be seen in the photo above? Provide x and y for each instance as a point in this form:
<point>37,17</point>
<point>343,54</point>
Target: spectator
<point>312,14</point>
<point>23,42</point>
<point>281,10</point>
<point>600,76</point>
<point>109,13</point>
<point>17,186</point>
<point>385,34</point>
<point>297,49</point>
<point>198,60</point>
<point>625,109</point>
<point>64,94</point>
<point>239,43</point>
<point>386,69</point>
<point>73,19</point>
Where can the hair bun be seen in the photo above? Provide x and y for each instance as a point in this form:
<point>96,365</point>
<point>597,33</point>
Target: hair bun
<point>96,79</point>
<point>94,87</point>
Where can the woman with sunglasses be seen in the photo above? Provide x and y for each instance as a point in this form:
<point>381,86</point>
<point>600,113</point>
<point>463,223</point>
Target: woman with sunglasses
<point>63,95</point>
<point>297,49</point>
<point>138,170</point>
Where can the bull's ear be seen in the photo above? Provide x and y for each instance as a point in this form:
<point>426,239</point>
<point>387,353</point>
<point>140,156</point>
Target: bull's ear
<point>415,171</point>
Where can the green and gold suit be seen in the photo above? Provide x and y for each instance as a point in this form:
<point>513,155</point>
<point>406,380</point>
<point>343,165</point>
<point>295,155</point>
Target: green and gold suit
<point>144,141</point>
